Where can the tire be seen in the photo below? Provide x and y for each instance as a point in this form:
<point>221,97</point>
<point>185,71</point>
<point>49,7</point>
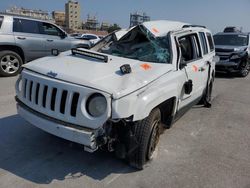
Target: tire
<point>147,133</point>
<point>207,98</point>
<point>244,69</point>
<point>10,63</point>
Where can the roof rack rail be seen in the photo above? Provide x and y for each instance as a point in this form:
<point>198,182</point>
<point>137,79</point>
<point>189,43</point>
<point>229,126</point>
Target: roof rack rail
<point>187,26</point>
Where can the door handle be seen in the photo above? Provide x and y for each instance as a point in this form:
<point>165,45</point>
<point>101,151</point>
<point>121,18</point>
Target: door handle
<point>201,69</point>
<point>50,40</point>
<point>21,38</point>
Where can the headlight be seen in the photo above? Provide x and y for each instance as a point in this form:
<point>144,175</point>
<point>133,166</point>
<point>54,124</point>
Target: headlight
<point>96,105</point>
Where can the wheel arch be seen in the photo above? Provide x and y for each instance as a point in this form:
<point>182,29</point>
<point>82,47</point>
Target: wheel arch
<point>140,104</point>
<point>168,108</point>
<point>14,48</point>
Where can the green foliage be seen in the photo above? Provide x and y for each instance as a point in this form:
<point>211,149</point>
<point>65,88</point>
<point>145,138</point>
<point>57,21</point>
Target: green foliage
<point>113,28</point>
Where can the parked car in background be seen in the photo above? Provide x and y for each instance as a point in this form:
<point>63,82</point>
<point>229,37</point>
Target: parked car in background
<point>233,48</point>
<point>116,35</point>
<point>75,35</point>
<point>24,39</point>
<point>120,94</point>
<point>231,29</point>
<point>93,39</point>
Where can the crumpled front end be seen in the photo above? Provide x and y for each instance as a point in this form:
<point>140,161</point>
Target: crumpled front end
<point>231,61</point>
<point>61,108</point>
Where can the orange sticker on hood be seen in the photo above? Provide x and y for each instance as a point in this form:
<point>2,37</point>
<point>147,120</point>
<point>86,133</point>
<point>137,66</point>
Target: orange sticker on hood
<point>155,30</point>
<point>146,66</point>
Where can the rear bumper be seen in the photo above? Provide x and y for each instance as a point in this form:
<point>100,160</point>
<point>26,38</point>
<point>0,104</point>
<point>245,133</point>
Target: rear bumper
<point>71,133</point>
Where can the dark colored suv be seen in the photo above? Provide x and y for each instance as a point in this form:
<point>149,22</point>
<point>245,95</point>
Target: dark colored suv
<point>233,49</point>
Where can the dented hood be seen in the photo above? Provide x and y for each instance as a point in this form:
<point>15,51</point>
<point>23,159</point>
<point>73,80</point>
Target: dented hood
<point>96,74</point>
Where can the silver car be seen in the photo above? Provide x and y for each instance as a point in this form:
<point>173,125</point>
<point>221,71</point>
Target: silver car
<point>25,39</point>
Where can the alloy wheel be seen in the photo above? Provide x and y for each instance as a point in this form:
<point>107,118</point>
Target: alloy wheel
<point>9,64</point>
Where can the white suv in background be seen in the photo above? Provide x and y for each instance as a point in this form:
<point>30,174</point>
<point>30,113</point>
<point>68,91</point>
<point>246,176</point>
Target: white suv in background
<point>93,39</point>
<point>119,94</point>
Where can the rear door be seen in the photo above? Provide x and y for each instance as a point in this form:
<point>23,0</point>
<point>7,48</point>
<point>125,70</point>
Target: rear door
<point>27,36</point>
<point>55,38</point>
<point>191,55</point>
<point>207,47</point>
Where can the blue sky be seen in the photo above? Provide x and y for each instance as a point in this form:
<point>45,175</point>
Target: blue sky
<point>215,14</point>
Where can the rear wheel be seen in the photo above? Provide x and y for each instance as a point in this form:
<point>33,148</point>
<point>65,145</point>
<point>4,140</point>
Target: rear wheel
<point>10,63</point>
<point>147,133</point>
<point>207,97</point>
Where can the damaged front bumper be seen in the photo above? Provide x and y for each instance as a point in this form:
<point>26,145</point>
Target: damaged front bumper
<point>227,66</point>
<point>74,133</point>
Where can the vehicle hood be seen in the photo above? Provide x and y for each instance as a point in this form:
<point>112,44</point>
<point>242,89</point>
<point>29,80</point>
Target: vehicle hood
<point>233,48</point>
<point>99,75</point>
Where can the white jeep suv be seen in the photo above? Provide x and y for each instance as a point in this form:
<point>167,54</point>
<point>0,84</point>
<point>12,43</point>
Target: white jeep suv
<point>118,94</point>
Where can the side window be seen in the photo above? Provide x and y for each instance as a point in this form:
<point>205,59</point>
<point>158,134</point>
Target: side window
<point>17,25</point>
<point>89,37</point>
<point>190,48</point>
<point>1,21</point>
<point>92,37</point>
<point>210,41</point>
<point>196,46</point>
<point>49,29</point>
<point>203,42</point>
<point>26,26</point>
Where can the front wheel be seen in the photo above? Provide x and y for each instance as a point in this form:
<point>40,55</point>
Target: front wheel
<point>207,97</point>
<point>147,133</point>
<point>244,69</point>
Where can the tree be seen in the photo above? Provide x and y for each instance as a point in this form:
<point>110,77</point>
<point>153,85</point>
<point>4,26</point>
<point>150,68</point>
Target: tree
<point>113,28</point>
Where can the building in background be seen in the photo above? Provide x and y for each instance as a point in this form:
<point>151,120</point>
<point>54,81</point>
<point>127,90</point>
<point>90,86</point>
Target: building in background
<point>33,13</point>
<point>137,18</point>
<point>92,23</point>
<point>104,26</point>
<point>59,17</point>
<point>73,15</point>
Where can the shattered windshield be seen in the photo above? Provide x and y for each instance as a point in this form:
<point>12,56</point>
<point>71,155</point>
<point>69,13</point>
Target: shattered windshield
<point>139,44</point>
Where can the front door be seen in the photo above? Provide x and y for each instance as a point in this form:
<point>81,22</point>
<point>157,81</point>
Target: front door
<point>191,56</point>
<point>55,38</point>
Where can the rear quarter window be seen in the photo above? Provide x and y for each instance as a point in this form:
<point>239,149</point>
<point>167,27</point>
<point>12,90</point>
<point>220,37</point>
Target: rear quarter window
<point>1,21</point>
<point>210,41</point>
<point>203,43</point>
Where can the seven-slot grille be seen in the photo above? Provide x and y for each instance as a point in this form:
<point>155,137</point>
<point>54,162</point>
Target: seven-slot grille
<point>59,99</point>
<point>50,98</point>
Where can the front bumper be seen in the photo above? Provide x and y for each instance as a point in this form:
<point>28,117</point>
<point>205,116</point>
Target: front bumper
<point>227,66</point>
<point>69,132</point>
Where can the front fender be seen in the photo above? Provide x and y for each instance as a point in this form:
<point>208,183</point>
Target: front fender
<point>141,103</point>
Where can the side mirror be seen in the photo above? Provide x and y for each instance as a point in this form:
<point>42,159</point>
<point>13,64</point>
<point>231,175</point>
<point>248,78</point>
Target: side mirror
<point>63,35</point>
<point>216,59</point>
